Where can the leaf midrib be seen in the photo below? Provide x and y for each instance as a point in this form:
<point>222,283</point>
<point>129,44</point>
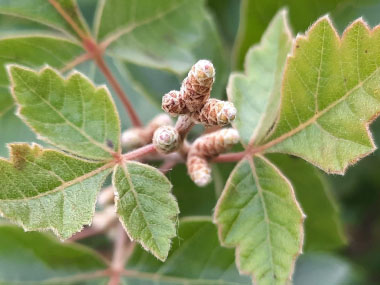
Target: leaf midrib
<point>129,27</point>
<point>313,119</point>
<point>135,195</point>
<point>79,130</point>
<point>63,185</point>
<point>266,217</point>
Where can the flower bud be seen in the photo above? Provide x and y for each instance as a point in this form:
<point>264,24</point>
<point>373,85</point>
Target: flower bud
<point>215,113</point>
<point>166,139</point>
<point>196,87</point>
<point>173,103</point>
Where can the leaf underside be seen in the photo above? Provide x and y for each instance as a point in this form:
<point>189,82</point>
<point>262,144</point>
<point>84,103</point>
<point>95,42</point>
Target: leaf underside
<point>256,94</point>
<point>145,206</point>
<point>160,36</point>
<point>259,215</point>
<point>331,92</point>
<point>71,114</point>
<point>42,11</point>
<point>46,189</point>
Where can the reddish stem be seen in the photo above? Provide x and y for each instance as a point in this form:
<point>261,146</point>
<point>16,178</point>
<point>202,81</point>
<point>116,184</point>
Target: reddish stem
<point>94,50</point>
<point>142,151</point>
<point>96,53</point>
<point>230,157</point>
<point>68,19</point>
<point>87,232</point>
<point>119,256</point>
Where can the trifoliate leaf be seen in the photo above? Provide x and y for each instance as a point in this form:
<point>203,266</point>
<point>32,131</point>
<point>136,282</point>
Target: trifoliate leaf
<point>157,34</point>
<point>259,215</point>
<point>195,258</point>
<point>330,95</point>
<point>323,228</point>
<point>71,113</point>
<point>256,94</point>
<point>145,206</point>
<point>46,189</point>
<point>37,258</point>
<point>42,11</point>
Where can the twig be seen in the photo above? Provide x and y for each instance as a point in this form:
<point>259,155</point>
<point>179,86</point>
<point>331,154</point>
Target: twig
<point>68,19</point>
<point>148,149</point>
<point>230,157</point>
<point>76,61</point>
<point>168,164</point>
<point>96,52</point>
<point>120,256</point>
<point>86,232</point>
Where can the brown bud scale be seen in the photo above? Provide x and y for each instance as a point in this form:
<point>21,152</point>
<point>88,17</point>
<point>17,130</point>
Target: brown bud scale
<point>215,113</point>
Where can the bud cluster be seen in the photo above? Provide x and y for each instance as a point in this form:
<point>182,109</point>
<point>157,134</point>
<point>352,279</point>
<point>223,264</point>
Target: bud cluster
<point>193,98</point>
<point>137,137</point>
<point>205,148</point>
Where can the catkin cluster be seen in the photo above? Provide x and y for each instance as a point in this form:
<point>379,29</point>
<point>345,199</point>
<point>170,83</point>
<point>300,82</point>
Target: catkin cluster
<point>137,137</point>
<point>205,148</point>
<point>194,98</point>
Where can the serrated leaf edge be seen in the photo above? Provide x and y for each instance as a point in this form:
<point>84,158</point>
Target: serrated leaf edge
<point>142,243</point>
<point>266,147</point>
<point>245,74</point>
<point>65,79</point>
<point>60,187</point>
<point>237,247</point>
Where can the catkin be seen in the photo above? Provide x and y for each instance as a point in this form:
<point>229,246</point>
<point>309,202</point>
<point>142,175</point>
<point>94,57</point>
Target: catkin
<point>199,170</point>
<point>215,113</point>
<point>205,148</point>
<point>174,104</point>
<point>213,144</point>
<point>196,87</point>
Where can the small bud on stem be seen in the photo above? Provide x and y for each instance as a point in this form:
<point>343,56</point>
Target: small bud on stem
<point>166,139</point>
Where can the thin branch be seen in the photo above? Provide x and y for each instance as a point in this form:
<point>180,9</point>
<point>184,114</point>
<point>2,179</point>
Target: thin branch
<point>95,51</point>
<point>120,256</point>
<point>230,157</point>
<point>86,233</point>
<point>168,165</point>
<point>119,91</point>
<point>142,151</point>
<point>76,61</point>
<point>68,19</point>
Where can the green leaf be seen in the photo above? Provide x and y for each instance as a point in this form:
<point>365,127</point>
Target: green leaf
<point>71,113</point>
<point>256,94</point>
<point>255,16</point>
<point>323,228</point>
<point>322,269</point>
<point>12,129</point>
<point>36,258</point>
<point>43,12</point>
<point>259,215</point>
<point>155,34</point>
<point>195,258</point>
<point>330,95</point>
<point>146,207</point>
<point>46,189</point>
<point>32,51</point>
